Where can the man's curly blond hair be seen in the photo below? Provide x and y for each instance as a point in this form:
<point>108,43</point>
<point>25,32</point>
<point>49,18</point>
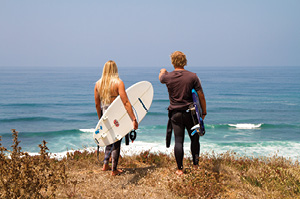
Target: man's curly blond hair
<point>178,59</point>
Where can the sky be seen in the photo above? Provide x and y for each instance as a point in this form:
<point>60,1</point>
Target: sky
<point>53,33</point>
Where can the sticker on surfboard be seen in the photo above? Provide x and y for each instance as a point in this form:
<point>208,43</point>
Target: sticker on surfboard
<point>116,123</point>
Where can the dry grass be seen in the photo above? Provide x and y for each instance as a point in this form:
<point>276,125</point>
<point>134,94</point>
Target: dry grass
<point>148,175</point>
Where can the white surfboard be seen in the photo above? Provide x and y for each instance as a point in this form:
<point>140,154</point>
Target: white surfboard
<point>115,123</point>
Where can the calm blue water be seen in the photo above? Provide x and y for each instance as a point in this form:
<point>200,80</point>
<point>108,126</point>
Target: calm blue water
<point>251,110</point>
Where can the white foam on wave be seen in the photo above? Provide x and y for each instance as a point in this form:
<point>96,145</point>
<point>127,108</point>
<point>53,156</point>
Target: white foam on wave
<point>126,150</point>
<point>137,147</point>
<point>87,130</point>
<point>61,155</point>
<point>288,150</point>
<point>245,126</point>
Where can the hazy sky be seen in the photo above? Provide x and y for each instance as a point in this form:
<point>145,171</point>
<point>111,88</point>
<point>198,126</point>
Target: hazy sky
<point>142,33</point>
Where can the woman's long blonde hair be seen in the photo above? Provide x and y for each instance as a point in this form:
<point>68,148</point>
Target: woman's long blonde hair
<point>105,83</point>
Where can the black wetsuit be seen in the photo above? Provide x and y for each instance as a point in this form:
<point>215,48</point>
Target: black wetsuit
<point>182,120</point>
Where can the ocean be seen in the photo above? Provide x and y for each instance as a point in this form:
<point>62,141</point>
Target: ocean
<point>252,111</point>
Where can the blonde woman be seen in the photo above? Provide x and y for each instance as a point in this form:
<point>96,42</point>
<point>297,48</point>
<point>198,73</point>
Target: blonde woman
<point>107,89</point>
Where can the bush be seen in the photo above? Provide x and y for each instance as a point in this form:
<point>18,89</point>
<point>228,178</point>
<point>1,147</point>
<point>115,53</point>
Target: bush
<point>25,176</point>
<point>157,159</point>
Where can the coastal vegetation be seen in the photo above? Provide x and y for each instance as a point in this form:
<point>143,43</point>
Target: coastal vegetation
<point>146,175</point>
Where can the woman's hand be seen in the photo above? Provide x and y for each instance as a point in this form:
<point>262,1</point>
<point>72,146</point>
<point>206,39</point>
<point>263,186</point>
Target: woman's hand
<point>135,124</point>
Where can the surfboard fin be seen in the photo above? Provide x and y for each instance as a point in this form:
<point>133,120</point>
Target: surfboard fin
<point>195,127</point>
<point>194,132</point>
<point>198,129</point>
<point>118,137</point>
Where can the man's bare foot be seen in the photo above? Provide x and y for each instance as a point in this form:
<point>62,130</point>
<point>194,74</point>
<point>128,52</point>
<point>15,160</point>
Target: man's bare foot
<point>179,172</point>
<point>116,172</point>
<point>106,167</point>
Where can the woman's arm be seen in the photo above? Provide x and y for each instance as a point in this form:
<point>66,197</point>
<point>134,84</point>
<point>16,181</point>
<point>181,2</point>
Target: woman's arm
<point>202,103</point>
<point>127,105</point>
<point>97,102</point>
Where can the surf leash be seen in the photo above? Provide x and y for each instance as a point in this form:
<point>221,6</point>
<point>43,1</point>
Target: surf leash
<point>98,153</point>
<point>132,135</point>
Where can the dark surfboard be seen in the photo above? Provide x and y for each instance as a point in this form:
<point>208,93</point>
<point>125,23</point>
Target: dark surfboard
<point>198,128</point>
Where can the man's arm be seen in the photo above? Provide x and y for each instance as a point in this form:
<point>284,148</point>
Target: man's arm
<point>202,102</point>
<point>162,72</point>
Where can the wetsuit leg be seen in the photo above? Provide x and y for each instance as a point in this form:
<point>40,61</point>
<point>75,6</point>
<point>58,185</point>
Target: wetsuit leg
<point>195,144</point>
<point>195,147</point>
<point>179,129</point>
<point>115,154</point>
<point>108,150</point>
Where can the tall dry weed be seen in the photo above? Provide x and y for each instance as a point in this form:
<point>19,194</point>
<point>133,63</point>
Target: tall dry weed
<point>25,176</point>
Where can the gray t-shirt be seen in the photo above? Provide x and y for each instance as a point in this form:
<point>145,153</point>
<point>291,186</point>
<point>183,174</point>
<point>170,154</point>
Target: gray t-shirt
<point>180,84</point>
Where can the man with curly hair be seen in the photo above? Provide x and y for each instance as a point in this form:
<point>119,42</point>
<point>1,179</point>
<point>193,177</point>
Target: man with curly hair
<point>180,82</point>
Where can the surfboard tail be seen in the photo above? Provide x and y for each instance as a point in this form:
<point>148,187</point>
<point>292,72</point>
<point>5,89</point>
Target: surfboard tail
<point>199,128</point>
